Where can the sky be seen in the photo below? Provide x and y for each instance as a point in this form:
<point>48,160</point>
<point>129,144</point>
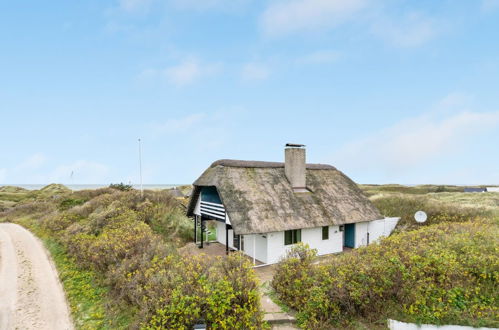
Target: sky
<point>387,91</point>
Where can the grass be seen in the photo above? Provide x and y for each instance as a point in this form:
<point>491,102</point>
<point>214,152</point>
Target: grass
<point>212,236</point>
<point>86,295</point>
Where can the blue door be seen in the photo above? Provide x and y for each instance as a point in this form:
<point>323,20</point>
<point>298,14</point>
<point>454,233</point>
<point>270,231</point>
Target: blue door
<point>350,235</point>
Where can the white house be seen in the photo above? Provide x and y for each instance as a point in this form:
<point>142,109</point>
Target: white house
<point>263,208</point>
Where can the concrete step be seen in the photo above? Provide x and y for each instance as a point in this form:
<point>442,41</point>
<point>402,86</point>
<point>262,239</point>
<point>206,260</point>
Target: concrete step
<point>279,318</point>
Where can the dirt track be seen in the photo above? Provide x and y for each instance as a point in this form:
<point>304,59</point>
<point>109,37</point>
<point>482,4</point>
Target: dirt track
<point>31,296</point>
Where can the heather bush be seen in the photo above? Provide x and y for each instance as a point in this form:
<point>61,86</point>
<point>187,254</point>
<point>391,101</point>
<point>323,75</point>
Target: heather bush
<point>293,276</point>
<point>60,221</point>
<point>121,186</point>
<point>441,274</point>
<point>28,208</point>
<point>68,203</point>
<point>223,294</point>
<point>131,240</point>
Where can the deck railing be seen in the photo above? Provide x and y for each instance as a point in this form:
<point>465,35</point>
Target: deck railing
<point>213,210</point>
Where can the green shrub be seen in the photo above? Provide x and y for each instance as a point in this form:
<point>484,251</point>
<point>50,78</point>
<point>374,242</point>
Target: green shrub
<point>60,221</point>
<point>224,295</point>
<point>441,274</point>
<point>68,203</point>
<point>121,186</point>
<point>293,276</point>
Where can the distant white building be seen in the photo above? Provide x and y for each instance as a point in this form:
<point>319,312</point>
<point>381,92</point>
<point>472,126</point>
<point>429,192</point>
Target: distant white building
<point>263,208</point>
<point>492,189</point>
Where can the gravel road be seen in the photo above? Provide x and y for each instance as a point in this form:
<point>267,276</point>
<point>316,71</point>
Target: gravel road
<point>31,295</point>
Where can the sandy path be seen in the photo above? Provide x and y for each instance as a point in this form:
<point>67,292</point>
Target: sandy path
<point>31,296</point>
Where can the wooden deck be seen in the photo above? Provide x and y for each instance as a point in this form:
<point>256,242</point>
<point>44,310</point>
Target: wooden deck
<point>213,249</point>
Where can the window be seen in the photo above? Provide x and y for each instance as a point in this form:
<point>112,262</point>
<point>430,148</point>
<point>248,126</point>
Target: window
<point>292,236</point>
<point>325,232</point>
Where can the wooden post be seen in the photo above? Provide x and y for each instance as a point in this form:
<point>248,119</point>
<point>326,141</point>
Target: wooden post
<point>254,250</point>
<point>202,230</point>
<point>226,239</point>
<point>195,229</point>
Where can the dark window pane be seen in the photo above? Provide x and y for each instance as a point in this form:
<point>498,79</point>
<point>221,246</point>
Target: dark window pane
<point>292,236</point>
<point>325,232</point>
<point>288,237</point>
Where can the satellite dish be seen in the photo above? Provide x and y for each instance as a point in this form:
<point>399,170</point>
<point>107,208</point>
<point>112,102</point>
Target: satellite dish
<point>420,216</point>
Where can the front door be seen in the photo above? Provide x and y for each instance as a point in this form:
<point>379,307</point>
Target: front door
<point>349,235</point>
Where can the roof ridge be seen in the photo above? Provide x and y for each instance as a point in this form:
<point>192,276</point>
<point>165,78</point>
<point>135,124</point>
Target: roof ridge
<point>264,164</point>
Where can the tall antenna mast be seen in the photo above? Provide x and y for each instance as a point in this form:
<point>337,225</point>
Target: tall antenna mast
<point>140,169</point>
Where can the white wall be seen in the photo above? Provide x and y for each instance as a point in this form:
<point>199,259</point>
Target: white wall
<point>361,229</point>
<point>376,229</point>
<point>197,209</point>
<point>492,189</point>
<point>313,237</point>
<point>260,244</point>
<point>275,247</point>
<point>221,232</point>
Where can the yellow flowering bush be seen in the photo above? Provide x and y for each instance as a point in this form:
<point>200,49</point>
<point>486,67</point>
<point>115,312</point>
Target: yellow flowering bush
<point>441,274</point>
<point>131,241</point>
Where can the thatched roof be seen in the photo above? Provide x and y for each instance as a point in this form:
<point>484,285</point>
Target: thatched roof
<point>258,197</point>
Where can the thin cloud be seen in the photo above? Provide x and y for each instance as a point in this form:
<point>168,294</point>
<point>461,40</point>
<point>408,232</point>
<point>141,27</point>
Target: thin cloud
<point>415,141</point>
<point>33,162</point>
<point>490,5</point>
<point>134,6</point>
<point>320,57</point>
<point>189,71</point>
<point>286,17</point>
<point>412,30</point>
<point>201,5</point>
<point>255,71</point>
<point>406,29</point>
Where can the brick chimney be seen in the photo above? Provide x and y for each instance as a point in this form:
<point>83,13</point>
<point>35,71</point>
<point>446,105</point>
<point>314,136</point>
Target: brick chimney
<point>295,166</point>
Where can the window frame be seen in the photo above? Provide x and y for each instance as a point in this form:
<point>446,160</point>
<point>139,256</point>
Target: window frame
<point>292,236</point>
<point>325,233</point>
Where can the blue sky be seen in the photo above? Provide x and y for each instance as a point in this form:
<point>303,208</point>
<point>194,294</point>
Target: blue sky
<point>387,91</point>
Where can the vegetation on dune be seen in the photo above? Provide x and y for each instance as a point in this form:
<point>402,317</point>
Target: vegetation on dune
<point>130,241</point>
<point>121,186</point>
<point>12,189</point>
<point>443,274</point>
<point>437,209</point>
<point>373,189</point>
